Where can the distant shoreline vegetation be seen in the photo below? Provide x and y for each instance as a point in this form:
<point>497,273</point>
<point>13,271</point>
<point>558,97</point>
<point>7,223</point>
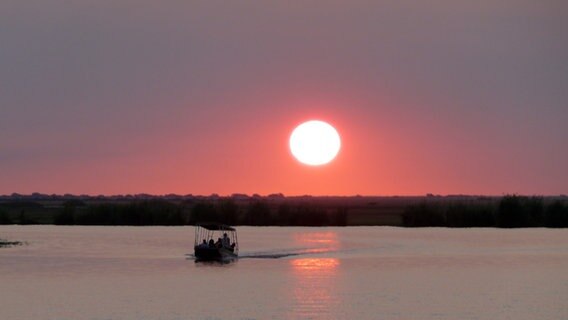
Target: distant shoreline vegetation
<point>510,211</point>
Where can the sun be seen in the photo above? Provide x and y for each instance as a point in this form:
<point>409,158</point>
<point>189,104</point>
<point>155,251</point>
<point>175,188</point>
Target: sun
<point>315,143</point>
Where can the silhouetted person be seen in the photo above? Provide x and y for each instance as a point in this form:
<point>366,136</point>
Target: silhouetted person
<point>211,243</point>
<point>226,241</point>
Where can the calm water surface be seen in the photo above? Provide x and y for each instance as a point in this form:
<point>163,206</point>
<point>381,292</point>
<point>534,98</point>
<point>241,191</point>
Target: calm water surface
<point>285,273</point>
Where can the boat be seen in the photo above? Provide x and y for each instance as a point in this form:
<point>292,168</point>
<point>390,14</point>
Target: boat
<point>215,242</point>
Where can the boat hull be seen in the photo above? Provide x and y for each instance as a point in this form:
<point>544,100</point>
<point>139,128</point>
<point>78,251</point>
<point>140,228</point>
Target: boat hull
<point>214,254</point>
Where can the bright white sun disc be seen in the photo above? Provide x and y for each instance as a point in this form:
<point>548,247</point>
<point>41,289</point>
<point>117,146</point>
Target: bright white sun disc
<point>315,143</point>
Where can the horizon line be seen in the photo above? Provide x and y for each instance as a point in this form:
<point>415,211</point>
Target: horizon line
<point>270,195</point>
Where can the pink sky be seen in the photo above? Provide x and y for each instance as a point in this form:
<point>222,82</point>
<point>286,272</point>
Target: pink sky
<point>136,97</point>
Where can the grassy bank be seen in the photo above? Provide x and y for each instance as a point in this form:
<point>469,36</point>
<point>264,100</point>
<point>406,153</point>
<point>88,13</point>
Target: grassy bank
<point>504,212</point>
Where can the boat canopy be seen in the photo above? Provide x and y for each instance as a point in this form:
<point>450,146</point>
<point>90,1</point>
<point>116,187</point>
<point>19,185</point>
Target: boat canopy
<point>216,227</point>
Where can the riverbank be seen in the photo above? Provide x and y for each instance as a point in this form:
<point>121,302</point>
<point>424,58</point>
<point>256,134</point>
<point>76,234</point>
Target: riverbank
<point>510,211</point>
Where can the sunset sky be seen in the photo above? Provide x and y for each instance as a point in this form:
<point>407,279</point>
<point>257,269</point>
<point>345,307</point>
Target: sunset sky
<point>200,97</point>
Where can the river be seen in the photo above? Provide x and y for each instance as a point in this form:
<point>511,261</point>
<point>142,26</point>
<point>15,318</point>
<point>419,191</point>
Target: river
<point>79,272</point>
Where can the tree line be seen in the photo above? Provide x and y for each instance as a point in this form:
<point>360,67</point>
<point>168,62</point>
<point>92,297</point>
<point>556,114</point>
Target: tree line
<point>507,212</point>
<point>511,211</point>
<point>162,212</point>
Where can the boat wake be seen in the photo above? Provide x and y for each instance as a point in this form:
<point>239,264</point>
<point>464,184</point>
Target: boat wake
<point>260,255</point>
<point>277,254</point>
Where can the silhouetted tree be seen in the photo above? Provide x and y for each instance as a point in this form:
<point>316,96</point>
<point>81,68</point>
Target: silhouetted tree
<point>24,219</point>
<point>513,213</point>
<point>259,214</point>
<point>66,216</point>
<point>228,212</point>
<point>203,212</point>
<point>5,218</point>
<point>340,217</point>
<point>461,215</point>
<point>424,215</point>
<point>284,216</point>
<point>556,215</point>
<point>311,216</point>
<point>535,211</point>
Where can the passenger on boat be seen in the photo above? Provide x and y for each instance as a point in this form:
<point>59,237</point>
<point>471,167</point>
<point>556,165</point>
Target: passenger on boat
<point>219,243</point>
<point>211,243</point>
<point>204,244</point>
<point>226,241</point>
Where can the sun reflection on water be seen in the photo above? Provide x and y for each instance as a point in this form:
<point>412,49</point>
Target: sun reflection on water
<point>315,291</point>
<point>317,242</point>
<point>322,265</point>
